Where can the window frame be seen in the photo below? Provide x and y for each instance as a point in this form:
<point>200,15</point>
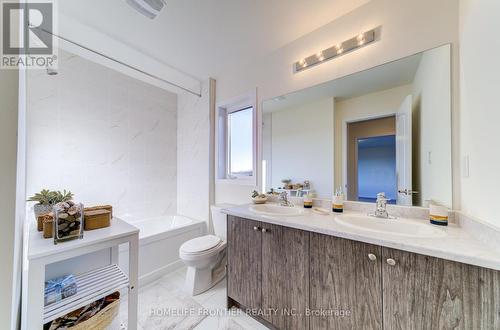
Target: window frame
<point>229,174</point>
<point>223,157</point>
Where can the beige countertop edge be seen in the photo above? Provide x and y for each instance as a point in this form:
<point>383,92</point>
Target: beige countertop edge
<point>458,246</point>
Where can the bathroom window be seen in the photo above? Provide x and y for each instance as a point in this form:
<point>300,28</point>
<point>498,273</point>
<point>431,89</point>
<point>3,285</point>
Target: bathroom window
<point>236,140</point>
<point>240,143</point>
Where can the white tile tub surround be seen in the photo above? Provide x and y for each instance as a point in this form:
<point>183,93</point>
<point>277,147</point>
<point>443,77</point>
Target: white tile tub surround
<point>193,136</point>
<point>105,136</point>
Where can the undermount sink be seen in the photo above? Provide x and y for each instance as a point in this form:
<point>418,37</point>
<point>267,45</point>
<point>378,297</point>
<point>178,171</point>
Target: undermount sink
<point>276,210</point>
<point>398,227</point>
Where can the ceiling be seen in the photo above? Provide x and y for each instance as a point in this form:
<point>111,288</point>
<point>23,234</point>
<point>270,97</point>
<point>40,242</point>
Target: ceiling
<point>203,37</point>
<point>390,75</point>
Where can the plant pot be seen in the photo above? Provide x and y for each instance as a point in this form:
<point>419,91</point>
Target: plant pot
<point>41,209</point>
<point>259,200</point>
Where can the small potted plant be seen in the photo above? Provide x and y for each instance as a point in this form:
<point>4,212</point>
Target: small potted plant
<point>258,198</point>
<point>46,200</point>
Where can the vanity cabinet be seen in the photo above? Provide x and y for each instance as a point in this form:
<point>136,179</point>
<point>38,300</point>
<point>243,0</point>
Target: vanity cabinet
<point>346,277</point>
<point>268,270</point>
<point>422,292</point>
<point>244,260</point>
<point>285,276</point>
<point>301,275</point>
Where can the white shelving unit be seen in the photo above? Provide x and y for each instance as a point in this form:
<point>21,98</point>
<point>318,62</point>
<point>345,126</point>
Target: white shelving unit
<point>92,285</point>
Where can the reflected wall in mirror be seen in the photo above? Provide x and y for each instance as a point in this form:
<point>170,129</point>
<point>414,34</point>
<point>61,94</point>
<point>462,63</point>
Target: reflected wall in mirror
<point>386,129</point>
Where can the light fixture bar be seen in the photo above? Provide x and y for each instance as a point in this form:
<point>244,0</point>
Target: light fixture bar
<point>338,50</point>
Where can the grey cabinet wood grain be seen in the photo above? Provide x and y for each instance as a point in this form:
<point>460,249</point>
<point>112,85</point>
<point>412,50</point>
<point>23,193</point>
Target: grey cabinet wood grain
<point>305,280</point>
<point>422,292</point>
<point>244,261</point>
<point>345,281</point>
<point>285,276</point>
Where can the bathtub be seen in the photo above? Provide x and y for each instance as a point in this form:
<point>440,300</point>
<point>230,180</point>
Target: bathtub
<point>159,242</point>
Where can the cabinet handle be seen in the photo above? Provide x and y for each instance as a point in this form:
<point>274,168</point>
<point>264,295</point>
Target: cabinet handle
<point>255,228</point>
<point>391,262</point>
<point>372,257</point>
<point>264,230</point>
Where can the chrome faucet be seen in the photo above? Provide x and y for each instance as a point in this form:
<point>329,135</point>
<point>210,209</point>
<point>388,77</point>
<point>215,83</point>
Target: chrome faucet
<point>284,199</point>
<point>381,206</point>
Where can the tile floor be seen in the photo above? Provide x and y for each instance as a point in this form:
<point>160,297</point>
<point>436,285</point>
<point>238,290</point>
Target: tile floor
<point>159,294</point>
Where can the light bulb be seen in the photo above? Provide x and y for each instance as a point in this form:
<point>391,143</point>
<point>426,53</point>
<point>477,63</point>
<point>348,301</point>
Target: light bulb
<point>320,56</point>
<point>339,48</point>
<point>361,39</point>
<point>303,63</point>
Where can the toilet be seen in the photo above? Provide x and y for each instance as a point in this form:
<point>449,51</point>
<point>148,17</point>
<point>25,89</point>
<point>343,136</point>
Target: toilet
<point>205,256</point>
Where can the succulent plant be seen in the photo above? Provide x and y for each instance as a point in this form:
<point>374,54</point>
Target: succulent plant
<point>44,197</point>
<point>62,196</point>
<point>47,197</point>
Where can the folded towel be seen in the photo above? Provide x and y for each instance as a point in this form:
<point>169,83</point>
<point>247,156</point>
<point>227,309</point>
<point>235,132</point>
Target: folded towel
<point>60,288</point>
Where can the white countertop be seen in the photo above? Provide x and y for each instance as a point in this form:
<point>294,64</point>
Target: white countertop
<point>457,245</point>
<point>41,247</point>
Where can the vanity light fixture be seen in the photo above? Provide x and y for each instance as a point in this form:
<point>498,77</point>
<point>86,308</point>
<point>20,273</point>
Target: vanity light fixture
<point>339,49</point>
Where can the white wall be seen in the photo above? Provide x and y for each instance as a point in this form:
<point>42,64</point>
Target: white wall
<point>105,136</point>
<point>8,162</point>
<point>302,146</point>
<point>432,99</point>
<point>89,37</point>
<point>408,27</point>
<point>480,117</point>
<point>373,105</point>
<point>193,154</point>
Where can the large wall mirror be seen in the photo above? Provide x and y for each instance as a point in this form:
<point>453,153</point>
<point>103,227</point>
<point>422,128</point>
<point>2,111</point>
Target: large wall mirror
<point>386,129</point>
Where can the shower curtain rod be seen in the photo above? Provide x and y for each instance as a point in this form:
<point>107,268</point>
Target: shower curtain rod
<point>118,61</point>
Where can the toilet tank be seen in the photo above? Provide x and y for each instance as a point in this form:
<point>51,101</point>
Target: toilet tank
<point>219,219</point>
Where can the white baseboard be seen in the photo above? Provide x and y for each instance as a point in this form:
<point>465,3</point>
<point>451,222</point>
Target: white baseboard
<point>158,273</point>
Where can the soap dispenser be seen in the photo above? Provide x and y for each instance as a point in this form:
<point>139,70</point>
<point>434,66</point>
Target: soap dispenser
<point>308,200</point>
<point>438,214</point>
<point>338,201</point>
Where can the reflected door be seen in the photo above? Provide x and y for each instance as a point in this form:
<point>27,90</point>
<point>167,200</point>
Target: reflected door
<point>403,152</point>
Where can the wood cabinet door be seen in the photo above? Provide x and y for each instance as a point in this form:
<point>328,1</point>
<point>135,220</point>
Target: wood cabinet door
<point>422,292</point>
<point>244,255</point>
<point>285,276</point>
<point>345,284</point>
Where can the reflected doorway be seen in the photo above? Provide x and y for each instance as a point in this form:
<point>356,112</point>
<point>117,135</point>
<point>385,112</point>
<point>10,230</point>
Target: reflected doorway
<point>377,168</point>
<point>371,159</point>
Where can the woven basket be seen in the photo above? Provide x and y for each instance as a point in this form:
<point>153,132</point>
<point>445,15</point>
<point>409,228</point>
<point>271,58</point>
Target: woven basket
<point>102,319</point>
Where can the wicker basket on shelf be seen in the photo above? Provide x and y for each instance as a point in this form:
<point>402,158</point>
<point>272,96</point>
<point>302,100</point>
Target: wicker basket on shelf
<point>85,318</point>
<point>102,319</point>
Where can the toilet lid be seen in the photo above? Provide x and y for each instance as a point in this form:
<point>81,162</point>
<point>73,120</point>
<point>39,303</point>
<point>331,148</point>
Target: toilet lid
<point>201,244</point>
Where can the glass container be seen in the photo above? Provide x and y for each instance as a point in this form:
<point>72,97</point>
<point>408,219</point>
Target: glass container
<point>68,221</point>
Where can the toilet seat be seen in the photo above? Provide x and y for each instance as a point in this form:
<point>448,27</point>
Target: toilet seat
<point>201,247</point>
